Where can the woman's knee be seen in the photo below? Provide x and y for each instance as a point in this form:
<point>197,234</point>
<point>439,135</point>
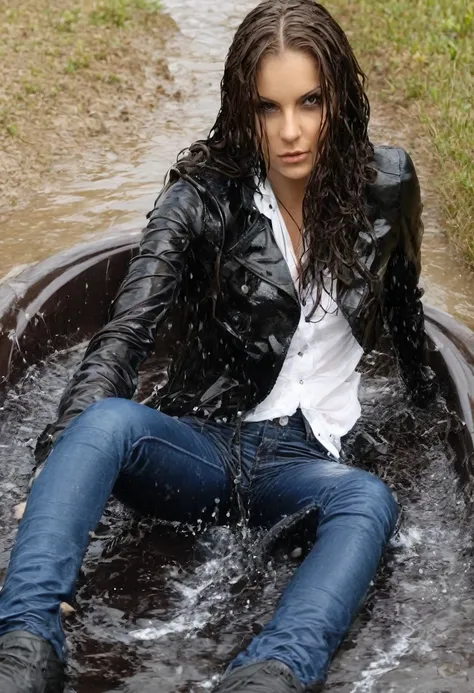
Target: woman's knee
<point>366,494</point>
<point>110,416</point>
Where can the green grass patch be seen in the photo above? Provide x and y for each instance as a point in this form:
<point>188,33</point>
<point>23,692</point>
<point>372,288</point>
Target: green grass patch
<point>12,129</point>
<point>31,88</point>
<point>76,63</point>
<point>118,13</point>
<point>69,19</point>
<point>421,52</point>
<point>69,70</point>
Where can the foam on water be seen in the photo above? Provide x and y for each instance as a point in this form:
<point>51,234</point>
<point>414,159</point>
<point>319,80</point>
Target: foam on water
<point>203,591</point>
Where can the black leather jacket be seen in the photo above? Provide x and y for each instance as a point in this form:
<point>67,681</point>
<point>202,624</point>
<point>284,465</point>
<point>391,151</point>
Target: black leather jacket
<point>209,258</point>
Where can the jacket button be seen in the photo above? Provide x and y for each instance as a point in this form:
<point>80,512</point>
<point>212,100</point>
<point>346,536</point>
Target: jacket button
<point>244,288</point>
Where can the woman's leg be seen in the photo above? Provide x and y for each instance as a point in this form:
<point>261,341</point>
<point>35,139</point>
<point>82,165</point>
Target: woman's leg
<point>357,515</point>
<point>161,463</point>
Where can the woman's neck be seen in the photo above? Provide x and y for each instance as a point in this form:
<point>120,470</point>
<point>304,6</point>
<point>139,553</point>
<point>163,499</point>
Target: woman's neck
<point>289,193</point>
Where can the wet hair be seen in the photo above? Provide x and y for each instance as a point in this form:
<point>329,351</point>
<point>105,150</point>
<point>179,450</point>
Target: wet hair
<point>334,208</point>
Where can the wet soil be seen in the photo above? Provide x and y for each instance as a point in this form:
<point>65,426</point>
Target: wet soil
<point>79,79</point>
<point>159,608</point>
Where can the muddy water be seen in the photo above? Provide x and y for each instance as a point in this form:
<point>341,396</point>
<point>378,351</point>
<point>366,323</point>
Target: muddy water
<point>163,609</point>
<point>106,196</point>
<point>159,609</point>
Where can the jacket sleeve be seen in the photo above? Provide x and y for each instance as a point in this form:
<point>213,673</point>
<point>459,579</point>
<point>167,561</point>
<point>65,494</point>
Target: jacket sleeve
<point>151,285</point>
<point>402,296</point>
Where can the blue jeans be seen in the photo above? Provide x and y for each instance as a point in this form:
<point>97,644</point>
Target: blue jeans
<point>176,469</point>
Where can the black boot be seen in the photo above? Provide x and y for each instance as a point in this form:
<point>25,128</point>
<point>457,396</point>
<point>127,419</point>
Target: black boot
<point>29,664</point>
<point>270,676</point>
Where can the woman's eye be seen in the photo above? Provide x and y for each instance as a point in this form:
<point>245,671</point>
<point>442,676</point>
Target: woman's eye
<point>313,100</point>
<point>266,107</point>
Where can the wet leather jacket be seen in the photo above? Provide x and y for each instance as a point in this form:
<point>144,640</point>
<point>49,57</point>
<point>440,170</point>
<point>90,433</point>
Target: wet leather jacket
<point>209,261</point>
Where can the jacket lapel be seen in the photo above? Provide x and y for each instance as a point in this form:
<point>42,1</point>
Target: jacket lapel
<point>258,251</point>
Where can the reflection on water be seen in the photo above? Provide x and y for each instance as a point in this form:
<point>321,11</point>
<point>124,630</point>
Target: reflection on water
<point>108,196</point>
<point>163,608</point>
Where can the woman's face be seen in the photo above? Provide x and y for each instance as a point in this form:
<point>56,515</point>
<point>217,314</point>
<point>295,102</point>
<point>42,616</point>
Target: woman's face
<point>291,113</point>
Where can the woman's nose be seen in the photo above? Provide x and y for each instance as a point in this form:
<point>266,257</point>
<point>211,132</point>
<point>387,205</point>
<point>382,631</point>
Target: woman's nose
<point>290,130</point>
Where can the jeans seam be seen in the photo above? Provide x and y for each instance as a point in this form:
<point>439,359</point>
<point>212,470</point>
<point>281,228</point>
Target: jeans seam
<point>155,439</point>
<point>254,467</point>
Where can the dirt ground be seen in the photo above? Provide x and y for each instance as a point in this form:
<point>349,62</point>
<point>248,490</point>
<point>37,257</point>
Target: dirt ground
<point>80,78</point>
<point>77,76</point>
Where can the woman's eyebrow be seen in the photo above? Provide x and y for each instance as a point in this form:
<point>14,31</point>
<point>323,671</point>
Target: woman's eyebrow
<point>310,92</point>
<point>300,98</point>
<point>265,98</point>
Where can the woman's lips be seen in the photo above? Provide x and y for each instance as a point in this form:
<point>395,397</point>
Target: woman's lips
<point>294,158</point>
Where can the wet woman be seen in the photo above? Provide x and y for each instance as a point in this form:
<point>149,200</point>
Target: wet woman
<point>287,243</point>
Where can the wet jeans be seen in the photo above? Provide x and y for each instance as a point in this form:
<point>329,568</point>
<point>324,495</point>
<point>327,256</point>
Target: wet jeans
<point>176,469</point>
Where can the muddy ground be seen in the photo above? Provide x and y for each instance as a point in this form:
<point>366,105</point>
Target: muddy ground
<point>77,78</point>
<point>98,96</point>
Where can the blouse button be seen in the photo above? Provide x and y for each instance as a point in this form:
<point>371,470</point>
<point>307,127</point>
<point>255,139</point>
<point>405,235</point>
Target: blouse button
<point>301,382</point>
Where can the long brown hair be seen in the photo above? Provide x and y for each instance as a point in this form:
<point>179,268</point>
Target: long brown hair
<point>334,210</point>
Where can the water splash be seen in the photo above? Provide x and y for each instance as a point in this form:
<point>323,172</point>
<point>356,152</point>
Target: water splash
<point>160,606</point>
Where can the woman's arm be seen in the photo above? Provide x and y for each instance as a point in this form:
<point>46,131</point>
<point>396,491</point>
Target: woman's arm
<point>402,296</point>
<point>151,285</point>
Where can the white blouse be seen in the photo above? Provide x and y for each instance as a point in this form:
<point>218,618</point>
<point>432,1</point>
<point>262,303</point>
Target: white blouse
<point>319,373</point>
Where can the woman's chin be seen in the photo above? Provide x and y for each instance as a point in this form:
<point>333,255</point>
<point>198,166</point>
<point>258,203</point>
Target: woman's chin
<point>295,173</point>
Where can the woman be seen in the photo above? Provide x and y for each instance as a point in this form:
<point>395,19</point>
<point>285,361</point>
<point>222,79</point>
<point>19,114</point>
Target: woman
<point>285,242</point>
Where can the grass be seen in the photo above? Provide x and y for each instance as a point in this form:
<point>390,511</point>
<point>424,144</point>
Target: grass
<point>420,53</point>
<point>119,12</point>
<point>68,71</point>
<point>75,35</point>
